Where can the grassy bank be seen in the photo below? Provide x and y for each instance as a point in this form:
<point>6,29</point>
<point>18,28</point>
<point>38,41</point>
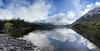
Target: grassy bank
<point>90,30</point>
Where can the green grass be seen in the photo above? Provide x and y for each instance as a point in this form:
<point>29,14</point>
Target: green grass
<point>90,30</point>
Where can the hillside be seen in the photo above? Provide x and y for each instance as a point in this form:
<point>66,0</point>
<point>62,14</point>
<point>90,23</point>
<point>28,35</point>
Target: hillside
<point>89,26</point>
<point>17,28</point>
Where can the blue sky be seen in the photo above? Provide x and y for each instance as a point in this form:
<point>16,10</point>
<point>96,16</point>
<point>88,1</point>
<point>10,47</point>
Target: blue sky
<point>58,11</point>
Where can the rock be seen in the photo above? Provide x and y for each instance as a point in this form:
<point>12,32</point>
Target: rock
<point>8,43</point>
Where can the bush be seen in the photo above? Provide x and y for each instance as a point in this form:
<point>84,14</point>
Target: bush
<point>8,27</point>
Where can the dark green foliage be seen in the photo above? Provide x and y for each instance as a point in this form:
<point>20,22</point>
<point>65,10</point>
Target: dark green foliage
<point>17,28</point>
<point>8,27</point>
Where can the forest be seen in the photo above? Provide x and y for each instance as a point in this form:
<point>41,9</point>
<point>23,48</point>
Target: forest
<point>18,27</point>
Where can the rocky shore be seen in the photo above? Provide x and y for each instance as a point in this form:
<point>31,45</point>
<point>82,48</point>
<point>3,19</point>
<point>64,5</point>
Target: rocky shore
<point>8,43</point>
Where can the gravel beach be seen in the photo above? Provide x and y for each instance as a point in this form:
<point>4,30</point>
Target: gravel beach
<point>8,43</point>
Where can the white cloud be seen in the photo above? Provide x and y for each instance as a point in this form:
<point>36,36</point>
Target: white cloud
<point>71,15</point>
<point>40,10</point>
<point>35,12</point>
<point>6,14</point>
<point>87,8</point>
<point>62,18</point>
<point>97,3</point>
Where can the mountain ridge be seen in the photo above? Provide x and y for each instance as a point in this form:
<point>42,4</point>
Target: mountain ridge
<point>89,26</point>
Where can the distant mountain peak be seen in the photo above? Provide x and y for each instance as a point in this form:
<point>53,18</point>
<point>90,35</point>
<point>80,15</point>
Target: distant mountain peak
<point>97,9</point>
<point>93,14</point>
<point>89,26</point>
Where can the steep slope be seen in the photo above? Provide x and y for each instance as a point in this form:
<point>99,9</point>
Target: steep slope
<point>91,16</point>
<point>89,26</point>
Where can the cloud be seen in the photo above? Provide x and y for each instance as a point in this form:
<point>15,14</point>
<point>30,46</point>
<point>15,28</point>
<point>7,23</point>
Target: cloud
<point>40,10</point>
<point>72,15</point>
<point>6,14</point>
<point>72,4</point>
<point>87,8</point>
<point>97,3</point>
<point>90,7</point>
<point>61,38</point>
<point>35,12</point>
<point>75,10</point>
<point>62,18</point>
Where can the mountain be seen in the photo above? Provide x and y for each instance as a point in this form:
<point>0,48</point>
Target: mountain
<point>89,26</point>
<point>17,28</point>
<point>91,16</point>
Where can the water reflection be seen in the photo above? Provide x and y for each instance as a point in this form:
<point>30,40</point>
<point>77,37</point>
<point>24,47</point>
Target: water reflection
<point>61,39</point>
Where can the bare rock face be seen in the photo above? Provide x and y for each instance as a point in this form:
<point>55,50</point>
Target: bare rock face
<point>8,43</point>
<point>89,26</point>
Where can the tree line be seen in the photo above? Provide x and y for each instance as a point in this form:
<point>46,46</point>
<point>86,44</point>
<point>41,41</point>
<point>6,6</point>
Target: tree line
<point>18,27</point>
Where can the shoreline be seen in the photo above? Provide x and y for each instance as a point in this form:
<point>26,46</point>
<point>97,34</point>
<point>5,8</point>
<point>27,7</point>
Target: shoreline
<point>7,43</point>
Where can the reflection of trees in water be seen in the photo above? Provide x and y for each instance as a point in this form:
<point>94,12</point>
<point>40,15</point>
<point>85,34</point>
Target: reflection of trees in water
<point>18,28</point>
<point>57,41</point>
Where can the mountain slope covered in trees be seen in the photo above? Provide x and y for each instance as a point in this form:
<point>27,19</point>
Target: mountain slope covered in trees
<point>17,28</point>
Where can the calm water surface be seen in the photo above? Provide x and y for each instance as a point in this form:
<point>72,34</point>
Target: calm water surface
<point>60,39</point>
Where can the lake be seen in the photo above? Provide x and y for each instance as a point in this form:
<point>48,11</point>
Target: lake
<point>59,39</point>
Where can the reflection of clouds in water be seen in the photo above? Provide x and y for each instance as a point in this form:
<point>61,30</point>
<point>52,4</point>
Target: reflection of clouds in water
<point>59,39</point>
<point>38,39</point>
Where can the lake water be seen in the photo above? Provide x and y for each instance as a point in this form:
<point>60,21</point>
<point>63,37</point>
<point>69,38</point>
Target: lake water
<point>59,39</point>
